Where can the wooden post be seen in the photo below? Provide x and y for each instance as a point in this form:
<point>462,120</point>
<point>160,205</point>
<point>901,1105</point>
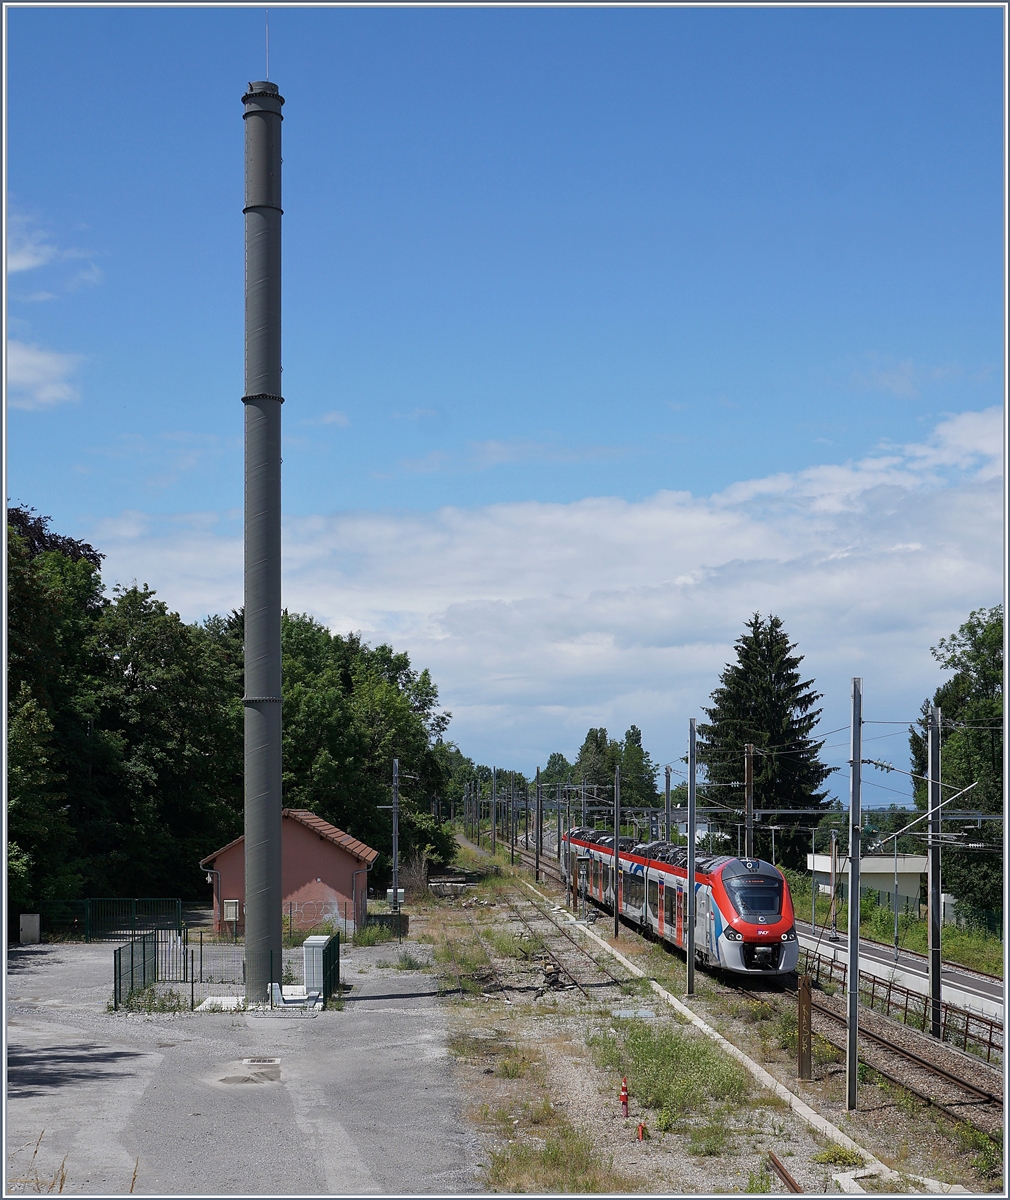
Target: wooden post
<point>804,1033</point>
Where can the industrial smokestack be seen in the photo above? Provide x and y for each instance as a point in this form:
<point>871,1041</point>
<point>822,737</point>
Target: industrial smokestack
<point>262,402</point>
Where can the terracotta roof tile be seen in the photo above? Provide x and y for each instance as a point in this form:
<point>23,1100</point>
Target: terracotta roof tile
<point>325,830</point>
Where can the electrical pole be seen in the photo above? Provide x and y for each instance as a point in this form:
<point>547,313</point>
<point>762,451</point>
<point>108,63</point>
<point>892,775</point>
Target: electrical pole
<point>617,852</point>
<point>833,935</point>
<point>540,813</point>
<point>692,782</point>
<point>855,829</point>
<point>396,836</point>
<point>933,871</point>
<point>667,822</point>
<point>494,810</point>
<point>262,568</point>
<point>558,802</point>
<point>748,793</point>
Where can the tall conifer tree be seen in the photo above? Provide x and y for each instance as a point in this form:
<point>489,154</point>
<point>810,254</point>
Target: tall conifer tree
<point>763,700</point>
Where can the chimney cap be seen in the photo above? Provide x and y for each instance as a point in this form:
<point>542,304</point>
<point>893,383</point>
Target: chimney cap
<point>261,85</point>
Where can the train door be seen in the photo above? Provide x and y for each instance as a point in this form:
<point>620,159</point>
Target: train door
<point>669,909</point>
<point>680,915</point>
<point>702,923</point>
<point>660,907</point>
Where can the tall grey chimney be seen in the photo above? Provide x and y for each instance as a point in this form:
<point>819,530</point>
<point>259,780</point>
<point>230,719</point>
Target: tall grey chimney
<point>262,402</point>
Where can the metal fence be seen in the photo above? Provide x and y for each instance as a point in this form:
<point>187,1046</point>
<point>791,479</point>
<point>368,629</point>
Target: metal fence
<point>112,918</point>
<point>134,967</point>
<point>972,1032</point>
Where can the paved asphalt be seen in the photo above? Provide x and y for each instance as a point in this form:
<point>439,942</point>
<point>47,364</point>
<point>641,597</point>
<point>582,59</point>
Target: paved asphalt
<point>980,992</point>
<point>363,1100</point>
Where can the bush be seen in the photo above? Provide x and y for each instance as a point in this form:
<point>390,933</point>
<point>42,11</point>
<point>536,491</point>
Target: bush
<point>564,1162</point>
<point>838,1156</point>
<point>372,935</point>
<point>672,1069</point>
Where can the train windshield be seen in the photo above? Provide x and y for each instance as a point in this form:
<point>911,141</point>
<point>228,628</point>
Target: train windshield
<point>755,896</point>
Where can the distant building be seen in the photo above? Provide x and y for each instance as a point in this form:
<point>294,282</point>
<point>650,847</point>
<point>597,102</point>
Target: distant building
<point>323,875</point>
<point>876,874</point>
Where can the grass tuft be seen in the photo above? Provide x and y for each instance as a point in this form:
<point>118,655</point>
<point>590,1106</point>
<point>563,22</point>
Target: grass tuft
<point>675,1069</point>
<point>838,1156</point>
<point>564,1162</point>
<point>372,935</point>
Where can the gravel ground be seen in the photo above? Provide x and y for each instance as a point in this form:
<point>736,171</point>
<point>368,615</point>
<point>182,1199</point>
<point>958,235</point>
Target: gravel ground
<point>902,1132</point>
<point>589,1099</point>
<point>168,1096</point>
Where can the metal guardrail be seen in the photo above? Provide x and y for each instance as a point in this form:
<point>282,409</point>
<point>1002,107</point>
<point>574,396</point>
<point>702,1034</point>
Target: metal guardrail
<point>972,1032</point>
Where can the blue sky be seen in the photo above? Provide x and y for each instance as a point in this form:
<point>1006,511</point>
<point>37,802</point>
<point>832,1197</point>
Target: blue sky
<point>535,261</point>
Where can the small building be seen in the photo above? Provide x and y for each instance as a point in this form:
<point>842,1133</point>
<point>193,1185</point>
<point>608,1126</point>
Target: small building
<point>323,876</point>
<point>876,875</point>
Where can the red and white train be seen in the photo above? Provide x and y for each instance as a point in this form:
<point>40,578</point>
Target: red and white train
<point>743,909</point>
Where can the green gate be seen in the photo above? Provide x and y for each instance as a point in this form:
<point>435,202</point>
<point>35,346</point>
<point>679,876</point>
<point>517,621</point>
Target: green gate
<point>113,919</point>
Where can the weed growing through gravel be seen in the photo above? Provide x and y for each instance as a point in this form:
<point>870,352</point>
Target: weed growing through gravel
<point>150,1000</point>
<point>710,1139</point>
<point>838,1156</point>
<point>759,1180</point>
<point>407,962</point>
<point>674,1069</point>
<point>822,1051</point>
<point>564,1162</point>
<point>988,1160</point>
<point>372,935</point>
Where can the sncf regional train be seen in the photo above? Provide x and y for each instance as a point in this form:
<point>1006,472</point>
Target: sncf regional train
<point>743,910</point>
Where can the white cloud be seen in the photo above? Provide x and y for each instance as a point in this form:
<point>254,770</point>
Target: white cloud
<point>28,246</point>
<point>539,620</point>
<point>38,378</point>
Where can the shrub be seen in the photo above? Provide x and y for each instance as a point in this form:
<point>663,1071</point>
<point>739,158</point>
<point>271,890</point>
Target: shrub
<point>372,935</point>
<point>675,1069</point>
<point>838,1156</point>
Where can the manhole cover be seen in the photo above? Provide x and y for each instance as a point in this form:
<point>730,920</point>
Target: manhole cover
<point>261,1062</point>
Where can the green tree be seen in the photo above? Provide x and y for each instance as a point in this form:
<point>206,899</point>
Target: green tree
<point>763,700</point>
<point>558,770</point>
<point>638,772</point>
<point>349,710</point>
<point>38,832</point>
<point>598,755</point>
<point>971,741</point>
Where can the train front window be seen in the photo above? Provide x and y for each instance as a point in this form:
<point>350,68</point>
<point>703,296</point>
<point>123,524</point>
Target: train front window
<point>755,897</point>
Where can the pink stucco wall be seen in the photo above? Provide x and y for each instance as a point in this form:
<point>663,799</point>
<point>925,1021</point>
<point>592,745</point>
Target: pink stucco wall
<point>316,879</point>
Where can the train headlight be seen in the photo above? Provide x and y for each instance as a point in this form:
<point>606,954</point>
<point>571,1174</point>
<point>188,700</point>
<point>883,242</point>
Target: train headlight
<point>733,936</point>
<point>789,935</point>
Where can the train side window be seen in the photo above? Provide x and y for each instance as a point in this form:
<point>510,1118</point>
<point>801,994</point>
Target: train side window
<point>654,896</point>
<point>668,901</point>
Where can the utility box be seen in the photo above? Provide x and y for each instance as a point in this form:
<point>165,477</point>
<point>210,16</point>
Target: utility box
<point>30,929</point>
<point>315,958</point>
<point>389,896</point>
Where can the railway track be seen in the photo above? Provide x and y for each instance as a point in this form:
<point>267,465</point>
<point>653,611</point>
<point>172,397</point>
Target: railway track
<point>496,975</point>
<point>576,943</point>
<point>958,1098</point>
<point>550,868</point>
<point>557,963</point>
<point>928,1081</point>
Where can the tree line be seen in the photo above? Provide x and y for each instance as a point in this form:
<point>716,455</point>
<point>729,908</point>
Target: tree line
<point>125,739</point>
<point>125,732</point>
